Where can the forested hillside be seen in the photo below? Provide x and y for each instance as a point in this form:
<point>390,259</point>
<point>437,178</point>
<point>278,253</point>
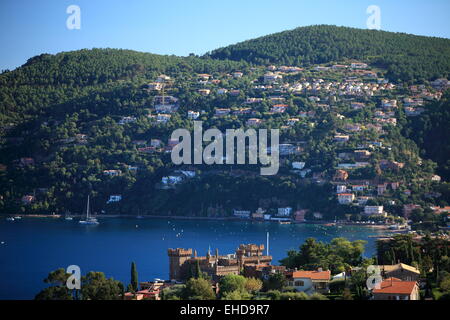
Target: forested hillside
<point>405,57</point>
<point>47,81</point>
<point>91,122</point>
<point>431,132</point>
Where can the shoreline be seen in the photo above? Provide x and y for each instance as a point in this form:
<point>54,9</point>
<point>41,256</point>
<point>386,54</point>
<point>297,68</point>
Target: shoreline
<point>111,216</point>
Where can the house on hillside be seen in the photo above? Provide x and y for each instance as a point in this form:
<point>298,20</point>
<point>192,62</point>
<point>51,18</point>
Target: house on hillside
<point>112,173</point>
<point>309,281</point>
<point>386,103</point>
<point>396,289</point>
<point>381,189</point>
<point>299,216</point>
<point>163,118</point>
<point>193,115</point>
<point>238,75</point>
<point>346,198</point>
<point>254,122</point>
<point>204,92</point>
<point>279,108</point>
<point>341,138</point>
<point>28,199</point>
<point>222,112</point>
<point>127,119</point>
<point>374,211</point>
<point>359,65</point>
<point>400,271</point>
<point>284,212</point>
<point>114,198</point>
<point>340,175</point>
<point>271,77</point>
<point>242,214</point>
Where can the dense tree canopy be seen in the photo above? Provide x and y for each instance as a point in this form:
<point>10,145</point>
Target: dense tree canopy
<point>431,132</point>
<point>406,57</point>
<point>336,256</point>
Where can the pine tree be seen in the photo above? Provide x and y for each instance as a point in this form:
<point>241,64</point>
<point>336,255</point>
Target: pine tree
<point>198,271</point>
<point>134,277</point>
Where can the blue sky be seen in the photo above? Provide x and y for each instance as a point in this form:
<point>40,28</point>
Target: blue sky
<point>31,27</point>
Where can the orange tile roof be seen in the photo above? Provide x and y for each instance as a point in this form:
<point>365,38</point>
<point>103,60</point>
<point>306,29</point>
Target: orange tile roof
<point>313,275</point>
<point>394,285</point>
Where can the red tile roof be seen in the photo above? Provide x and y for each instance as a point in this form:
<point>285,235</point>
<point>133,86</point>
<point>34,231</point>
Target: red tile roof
<point>396,286</point>
<point>313,275</point>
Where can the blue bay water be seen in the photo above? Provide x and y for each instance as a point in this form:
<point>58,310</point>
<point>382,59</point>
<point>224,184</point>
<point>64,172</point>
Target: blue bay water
<point>31,248</point>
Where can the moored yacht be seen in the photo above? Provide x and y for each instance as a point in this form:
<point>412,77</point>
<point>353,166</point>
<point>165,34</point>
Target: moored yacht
<point>89,220</point>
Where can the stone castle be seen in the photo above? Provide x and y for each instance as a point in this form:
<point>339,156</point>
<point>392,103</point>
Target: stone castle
<point>183,261</point>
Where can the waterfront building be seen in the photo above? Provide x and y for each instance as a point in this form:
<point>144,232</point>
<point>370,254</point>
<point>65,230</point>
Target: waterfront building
<point>183,261</point>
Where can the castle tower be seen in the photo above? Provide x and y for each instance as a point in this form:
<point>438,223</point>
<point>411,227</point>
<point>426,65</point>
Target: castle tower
<point>250,253</point>
<point>177,258</point>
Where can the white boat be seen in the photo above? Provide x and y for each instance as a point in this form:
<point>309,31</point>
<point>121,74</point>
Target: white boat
<point>17,218</point>
<point>68,217</point>
<point>89,220</point>
<point>10,219</point>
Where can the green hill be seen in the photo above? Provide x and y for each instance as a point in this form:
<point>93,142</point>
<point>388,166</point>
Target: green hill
<point>431,132</point>
<point>62,127</point>
<point>406,57</point>
<point>51,80</point>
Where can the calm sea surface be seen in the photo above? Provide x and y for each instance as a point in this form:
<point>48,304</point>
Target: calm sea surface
<point>30,248</point>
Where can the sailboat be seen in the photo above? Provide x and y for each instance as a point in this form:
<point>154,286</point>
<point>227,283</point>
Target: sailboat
<point>89,220</point>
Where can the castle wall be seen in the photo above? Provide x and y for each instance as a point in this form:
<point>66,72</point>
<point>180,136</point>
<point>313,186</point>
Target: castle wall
<point>181,262</point>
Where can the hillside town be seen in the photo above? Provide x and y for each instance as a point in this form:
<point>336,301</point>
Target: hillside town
<point>340,90</point>
<point>371,175</point>
<point>298,152</point>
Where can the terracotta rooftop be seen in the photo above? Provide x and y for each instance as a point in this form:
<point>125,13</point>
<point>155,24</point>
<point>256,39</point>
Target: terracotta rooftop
<point>313,275</point>
<point>396,286</point>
